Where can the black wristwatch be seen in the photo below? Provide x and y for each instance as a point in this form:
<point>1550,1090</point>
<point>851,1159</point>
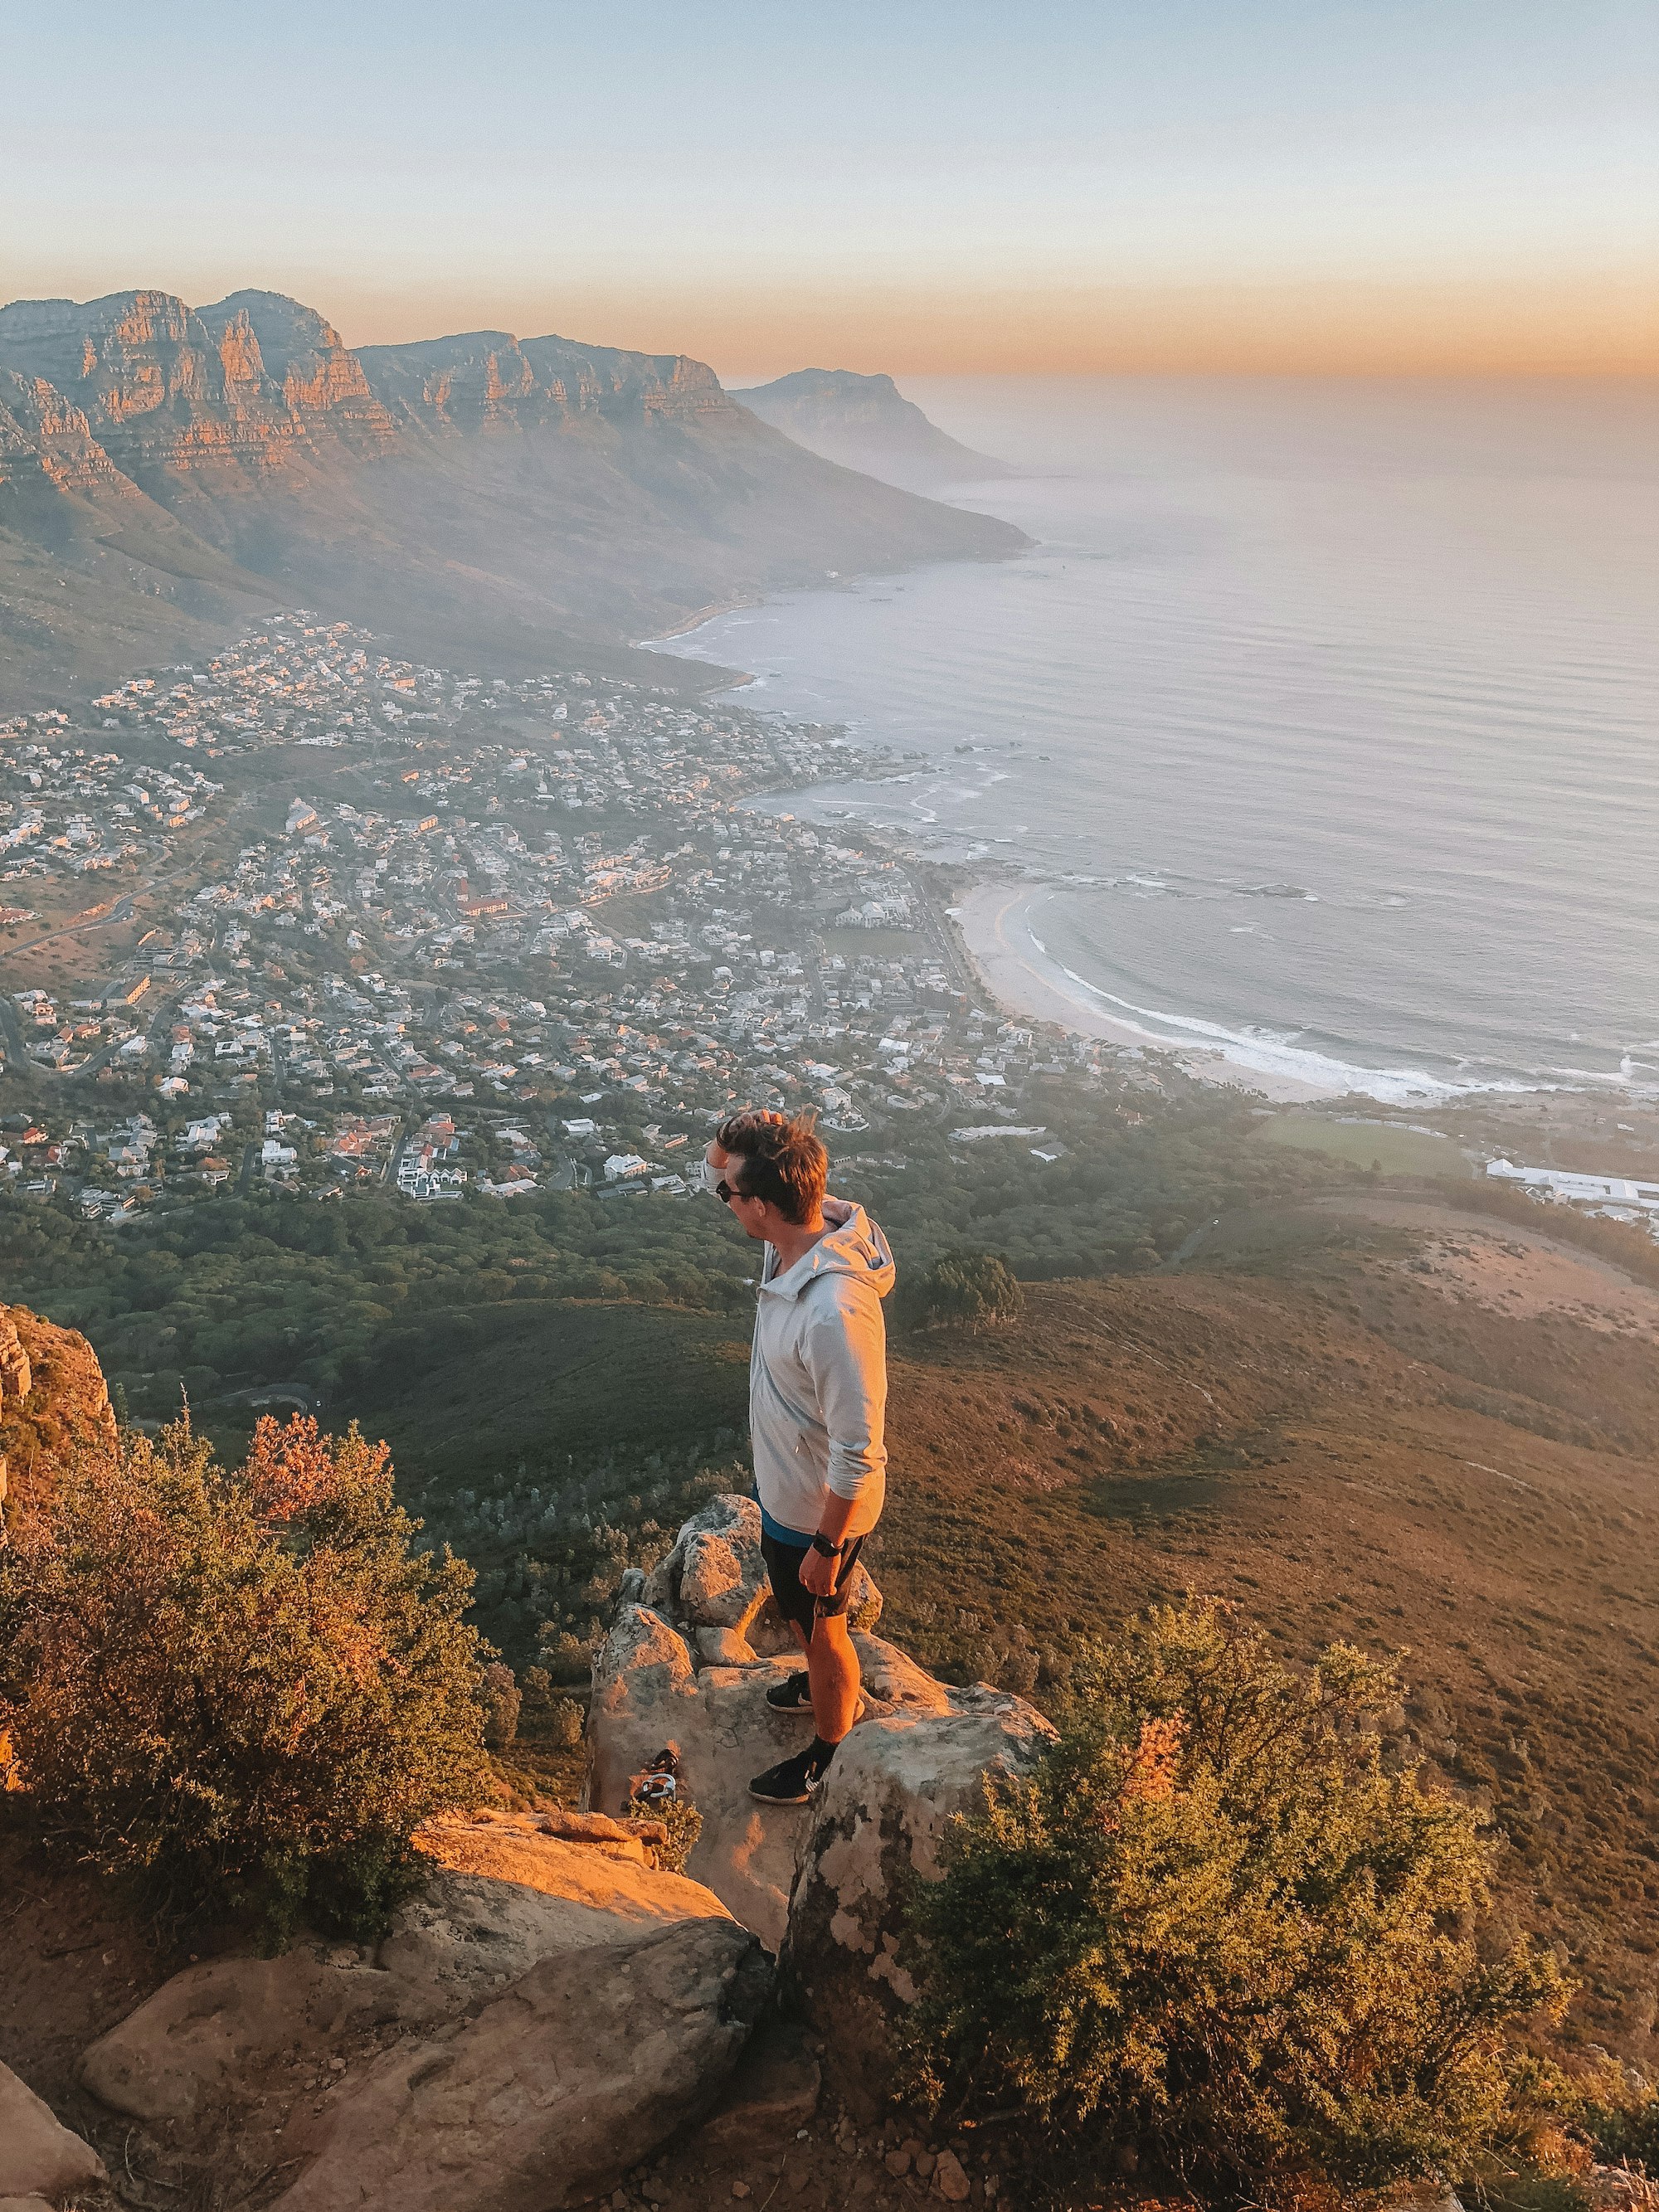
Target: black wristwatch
<point>821,1543</point>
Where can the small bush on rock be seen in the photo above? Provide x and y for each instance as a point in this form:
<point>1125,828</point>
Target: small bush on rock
<point>682,1822</point>
<point>1212,1928</point>
<point>967,1290</point>
<point>243,1688</point>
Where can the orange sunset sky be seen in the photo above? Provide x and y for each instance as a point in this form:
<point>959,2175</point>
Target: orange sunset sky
<point>1209,185</point>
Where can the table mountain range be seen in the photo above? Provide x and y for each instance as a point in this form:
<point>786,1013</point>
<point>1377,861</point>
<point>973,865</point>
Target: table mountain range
<point>164,470</point>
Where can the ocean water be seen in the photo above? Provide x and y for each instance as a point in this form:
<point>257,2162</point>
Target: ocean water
<point>1322,719</point>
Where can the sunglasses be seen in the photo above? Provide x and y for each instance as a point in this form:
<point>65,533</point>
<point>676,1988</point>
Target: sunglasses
<point>724,1191</point>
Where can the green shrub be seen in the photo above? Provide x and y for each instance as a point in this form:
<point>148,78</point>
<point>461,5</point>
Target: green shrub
<point>1212,1928</point>
<point>963,1289</point>
<point>550,1718</point>
<point>242,1688</point>
<point>502,1701</point>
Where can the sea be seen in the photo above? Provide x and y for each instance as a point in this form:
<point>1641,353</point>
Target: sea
<point>1320,721</point>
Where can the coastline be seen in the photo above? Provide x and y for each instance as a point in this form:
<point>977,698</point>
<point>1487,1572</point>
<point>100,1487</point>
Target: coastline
<point>992,925</point>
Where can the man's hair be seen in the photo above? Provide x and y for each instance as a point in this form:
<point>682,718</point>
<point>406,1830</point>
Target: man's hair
<point>783,1158</point>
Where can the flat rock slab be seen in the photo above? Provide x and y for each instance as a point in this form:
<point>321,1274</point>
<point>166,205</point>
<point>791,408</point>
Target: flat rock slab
<point>39,2155</point>
<point>549,2095</point>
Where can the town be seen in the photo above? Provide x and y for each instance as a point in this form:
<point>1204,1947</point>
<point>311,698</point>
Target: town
<point>360,921</point>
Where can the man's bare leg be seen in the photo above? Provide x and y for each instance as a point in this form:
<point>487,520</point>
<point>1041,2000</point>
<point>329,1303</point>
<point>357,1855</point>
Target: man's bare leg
<point>832,1668</point>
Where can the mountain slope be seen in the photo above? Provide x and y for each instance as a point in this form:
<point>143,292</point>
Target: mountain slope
<point>866,422</point>
<point>473,499</point>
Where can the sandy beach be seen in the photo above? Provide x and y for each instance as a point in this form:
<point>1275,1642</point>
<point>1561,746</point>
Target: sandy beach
<point>994,919</point>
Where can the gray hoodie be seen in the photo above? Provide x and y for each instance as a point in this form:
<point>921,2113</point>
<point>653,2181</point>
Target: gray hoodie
<point>817,1376</point>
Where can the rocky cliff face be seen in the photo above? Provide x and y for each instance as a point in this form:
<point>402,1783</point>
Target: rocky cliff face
<point>489,381</point>
<point>141,383</point>
<point>256,383</point>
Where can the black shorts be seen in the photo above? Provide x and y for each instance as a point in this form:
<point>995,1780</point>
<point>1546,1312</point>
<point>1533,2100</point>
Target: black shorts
<point>798,1604</point>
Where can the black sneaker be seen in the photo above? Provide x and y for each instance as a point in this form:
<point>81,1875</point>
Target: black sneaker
<point>794,1695</point>
<point>792,1781</point>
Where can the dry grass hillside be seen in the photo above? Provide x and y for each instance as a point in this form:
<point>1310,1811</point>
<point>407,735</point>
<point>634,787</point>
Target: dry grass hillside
<point>1391,1421</point>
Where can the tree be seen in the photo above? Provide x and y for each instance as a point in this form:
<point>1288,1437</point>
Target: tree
<point>1213,1927</point>
<point>243,1689</point>
<point>967,1290</point>
<point>502,1700</point>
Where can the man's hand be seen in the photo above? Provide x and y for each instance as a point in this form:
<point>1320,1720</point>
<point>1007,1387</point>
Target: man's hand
<point>817,1574</point>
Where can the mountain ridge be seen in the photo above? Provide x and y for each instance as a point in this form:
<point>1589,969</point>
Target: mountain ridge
<point>473,497</point>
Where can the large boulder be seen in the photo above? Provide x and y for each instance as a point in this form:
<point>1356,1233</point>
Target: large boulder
<point>518,1906</point>
<point>39,2156</point>
<point>712,1586</point>
<point>549,2095</point>
<point>880,1820</point>
<point>503,1895</point>
<point>209,2035</point>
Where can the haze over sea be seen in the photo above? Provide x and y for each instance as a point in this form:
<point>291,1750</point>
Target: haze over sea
<point>1323,719</point>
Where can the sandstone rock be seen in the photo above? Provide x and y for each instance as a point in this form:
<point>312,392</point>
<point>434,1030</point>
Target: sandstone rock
<point>210,2033</point>
<point>647,1692</point>
<point>552,2092</point>
<point>948,2178</point>
<point>505,1895</point>
<point>880,1815</point>
<point>39,2156</point>
<point>674,1670</point>
<point>714,1577</point>
<point>723,1647</point>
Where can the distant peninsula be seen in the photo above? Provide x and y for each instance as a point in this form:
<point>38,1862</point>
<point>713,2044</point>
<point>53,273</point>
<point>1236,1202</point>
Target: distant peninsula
<point>866,422</point>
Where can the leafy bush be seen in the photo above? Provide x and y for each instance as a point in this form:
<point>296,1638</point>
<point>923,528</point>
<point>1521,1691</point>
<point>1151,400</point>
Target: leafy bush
<point>502,1701</point>
<point>1624,2130</point>
<point>1213,1927</point>
<point>242,1688</point>
<point>964,1290</point>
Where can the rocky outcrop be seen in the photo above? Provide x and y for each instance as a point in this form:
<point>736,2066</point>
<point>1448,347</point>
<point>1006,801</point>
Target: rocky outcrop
<point>822,1884</point>
<point>278,344</point>
<point>543,2012</point>
<point>880,1820</point>
<point>39,2156</point>
<point>550,2094</point>
<point>53,1401</point>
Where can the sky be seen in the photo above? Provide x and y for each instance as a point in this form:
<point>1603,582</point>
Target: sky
<point>1413,186</point>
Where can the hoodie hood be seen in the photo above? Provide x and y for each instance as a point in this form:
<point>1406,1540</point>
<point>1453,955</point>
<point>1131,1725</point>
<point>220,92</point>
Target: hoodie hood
<point>852,1245</point>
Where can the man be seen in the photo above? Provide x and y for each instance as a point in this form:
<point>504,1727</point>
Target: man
<point>818,1401</point>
